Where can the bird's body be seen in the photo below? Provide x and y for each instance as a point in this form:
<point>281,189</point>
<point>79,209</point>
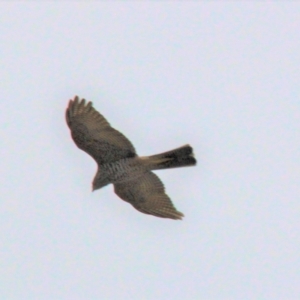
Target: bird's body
<point>120,171</point>
<point>119,164</point>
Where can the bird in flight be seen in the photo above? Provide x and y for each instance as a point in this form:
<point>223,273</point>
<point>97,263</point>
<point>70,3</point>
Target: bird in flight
<point>119,164</point>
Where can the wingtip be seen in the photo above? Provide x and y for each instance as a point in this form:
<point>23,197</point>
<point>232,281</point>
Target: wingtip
<point>179,216</point>
<point>176,215</point>
<point>75,99</point>
<point>80,101</point>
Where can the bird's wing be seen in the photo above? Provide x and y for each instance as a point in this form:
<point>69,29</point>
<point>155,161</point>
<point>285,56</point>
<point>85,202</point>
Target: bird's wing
<point>93,134</point>
<point>147,194</point>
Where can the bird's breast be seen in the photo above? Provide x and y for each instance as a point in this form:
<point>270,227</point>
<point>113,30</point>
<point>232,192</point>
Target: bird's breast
<point>123,170</point>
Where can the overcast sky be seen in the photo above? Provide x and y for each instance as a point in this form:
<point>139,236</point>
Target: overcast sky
<point>223,77</point>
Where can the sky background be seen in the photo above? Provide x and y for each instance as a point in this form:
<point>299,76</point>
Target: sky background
<point>221,76</point>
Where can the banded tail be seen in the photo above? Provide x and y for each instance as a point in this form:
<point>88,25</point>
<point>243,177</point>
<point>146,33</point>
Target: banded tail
<point>179,157</point>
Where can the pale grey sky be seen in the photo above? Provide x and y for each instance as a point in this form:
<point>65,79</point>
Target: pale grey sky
<point>222,76</point>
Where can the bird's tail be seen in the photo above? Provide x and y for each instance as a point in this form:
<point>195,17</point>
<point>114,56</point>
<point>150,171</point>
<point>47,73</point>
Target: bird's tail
<point>179,157</point>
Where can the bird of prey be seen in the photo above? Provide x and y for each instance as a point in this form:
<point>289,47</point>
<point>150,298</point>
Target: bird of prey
<point>119,164</point>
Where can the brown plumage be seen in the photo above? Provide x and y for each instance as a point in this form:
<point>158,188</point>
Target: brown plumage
<point>119,164</point>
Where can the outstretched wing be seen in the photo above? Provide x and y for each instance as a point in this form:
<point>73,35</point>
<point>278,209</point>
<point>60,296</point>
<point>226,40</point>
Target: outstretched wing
<point>93,134</point>
<point>147,194</point>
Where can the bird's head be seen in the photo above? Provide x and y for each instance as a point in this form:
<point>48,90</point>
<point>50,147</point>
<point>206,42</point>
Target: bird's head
<point>99,181</point>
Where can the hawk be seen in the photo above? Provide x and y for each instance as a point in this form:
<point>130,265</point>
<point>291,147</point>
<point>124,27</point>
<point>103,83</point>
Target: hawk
<point>119,164</point>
